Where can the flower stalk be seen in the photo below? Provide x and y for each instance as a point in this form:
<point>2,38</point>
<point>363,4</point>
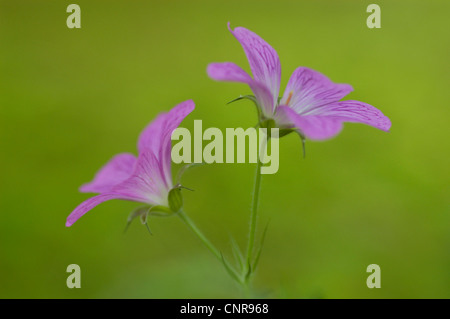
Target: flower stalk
<point>230,270</point>
<point>253,218</point>
<point>193,227</point>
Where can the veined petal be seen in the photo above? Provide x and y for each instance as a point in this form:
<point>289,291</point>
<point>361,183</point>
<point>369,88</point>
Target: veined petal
<point>263,59</point>
<point>118,169</point>
<point>88,204</point>
<point>157,136</point>
<point>147,183</point>
<point>313,127</point>
<point>308,89</point>
<point>230,72</point>
<point>355,111</point>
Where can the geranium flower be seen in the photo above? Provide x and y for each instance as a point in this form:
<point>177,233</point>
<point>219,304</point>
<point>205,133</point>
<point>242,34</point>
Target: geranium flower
<point>311,102</point>
<point>147,178</point>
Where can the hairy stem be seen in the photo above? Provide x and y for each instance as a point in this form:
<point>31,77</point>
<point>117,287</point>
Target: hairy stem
<point>199,234</point>
<point>253,217</point>
<point>231,271</point>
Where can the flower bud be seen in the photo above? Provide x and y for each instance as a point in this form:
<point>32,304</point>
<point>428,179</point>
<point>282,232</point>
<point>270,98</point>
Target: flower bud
<point>175,199</point>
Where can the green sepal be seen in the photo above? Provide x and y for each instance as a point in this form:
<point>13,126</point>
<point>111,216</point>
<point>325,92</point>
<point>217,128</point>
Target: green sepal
<point>158,211</point>
<point>302,137</point>
<point>143,218</point>
<point>251,98</point>
<point>134,214</point>
<point>144,212</point>
<point>245,97</point>
<point>154,210</point>
<point>285,131</point>
<point>268,124</point>
<point>137,212</point>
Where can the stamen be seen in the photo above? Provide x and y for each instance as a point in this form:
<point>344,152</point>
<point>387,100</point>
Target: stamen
<point>289,97</point>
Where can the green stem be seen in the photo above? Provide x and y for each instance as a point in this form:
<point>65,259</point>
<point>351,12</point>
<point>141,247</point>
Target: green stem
<point>253,217</point>
<point>210,246</point>
<point>199,234</point>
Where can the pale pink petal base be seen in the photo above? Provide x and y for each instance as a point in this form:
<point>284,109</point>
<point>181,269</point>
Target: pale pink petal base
<point>157,136</point>
<point>146,184</point>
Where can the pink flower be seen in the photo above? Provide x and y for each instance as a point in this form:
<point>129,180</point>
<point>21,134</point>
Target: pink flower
<point>147,178</point>
<point>311,102</point>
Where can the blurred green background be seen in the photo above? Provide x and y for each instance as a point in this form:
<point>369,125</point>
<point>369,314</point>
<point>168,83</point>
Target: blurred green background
<point>72,98</point>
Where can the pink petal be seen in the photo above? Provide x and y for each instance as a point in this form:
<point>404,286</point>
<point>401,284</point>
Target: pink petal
<point>313,127</point>
<point>308,89</point>
<point>157,136</point>
<point>228,71</point>
<point>263,59</point>
<point>118,169</point>
<point>147,183</point>
<point>355,111</point>
<point>87,205</point>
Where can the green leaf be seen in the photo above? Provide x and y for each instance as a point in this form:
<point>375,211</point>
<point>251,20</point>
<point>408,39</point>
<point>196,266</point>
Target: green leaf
<point>230,270</point>
<point>237,253</point>
<point>249,272</point>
